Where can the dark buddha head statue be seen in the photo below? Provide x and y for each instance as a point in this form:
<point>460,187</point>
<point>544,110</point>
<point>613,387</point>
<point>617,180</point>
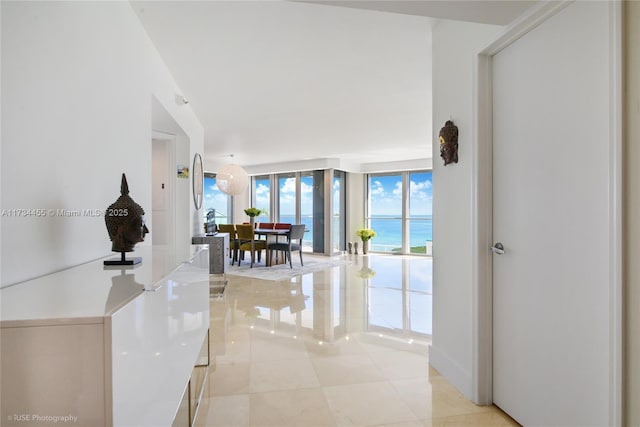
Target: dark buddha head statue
<point>449,143</point>
<point>125,221</point>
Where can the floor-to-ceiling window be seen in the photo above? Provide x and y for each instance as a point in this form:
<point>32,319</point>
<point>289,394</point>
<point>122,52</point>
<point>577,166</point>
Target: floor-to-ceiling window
<point>216,204</point>
<point>399,208</point>
<point>384,211</point>
<point>306,205</point>
<point>298,198</point>
<point>339,211</point>
<point>420,209</point>
<point>262,197</point>
<point>295,201</point>
<point>287,198</point>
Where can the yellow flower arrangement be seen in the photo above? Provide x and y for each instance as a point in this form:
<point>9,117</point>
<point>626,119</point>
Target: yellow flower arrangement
<point>365,234</point>
<point>253,212</point>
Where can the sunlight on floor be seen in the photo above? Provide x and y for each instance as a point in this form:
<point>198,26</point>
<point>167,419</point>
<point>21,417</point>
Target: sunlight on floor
<point>347,345</point>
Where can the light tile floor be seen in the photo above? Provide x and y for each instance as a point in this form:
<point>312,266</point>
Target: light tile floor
<point>346,346</point>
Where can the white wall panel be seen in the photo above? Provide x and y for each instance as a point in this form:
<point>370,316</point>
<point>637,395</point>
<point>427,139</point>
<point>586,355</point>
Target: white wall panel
<point>78,81</point>
<point>455,45</point>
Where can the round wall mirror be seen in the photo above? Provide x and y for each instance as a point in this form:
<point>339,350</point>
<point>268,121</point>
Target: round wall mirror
<point>198,181</point>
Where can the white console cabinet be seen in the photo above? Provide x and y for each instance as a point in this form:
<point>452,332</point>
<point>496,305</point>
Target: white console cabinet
<point>89,346</point>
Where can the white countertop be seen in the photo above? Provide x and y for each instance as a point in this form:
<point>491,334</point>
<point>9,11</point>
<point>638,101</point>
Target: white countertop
<point>89,291</point>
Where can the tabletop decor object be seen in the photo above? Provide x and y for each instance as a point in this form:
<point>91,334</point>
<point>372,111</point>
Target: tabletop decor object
<point>365,234</point>
<point>252,213</point>
<point>125,224</point>
<point>210,226</point>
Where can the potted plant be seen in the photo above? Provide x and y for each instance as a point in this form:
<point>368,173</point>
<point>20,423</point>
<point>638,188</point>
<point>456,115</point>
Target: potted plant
<point>365,234</point>
<point>252,213</point>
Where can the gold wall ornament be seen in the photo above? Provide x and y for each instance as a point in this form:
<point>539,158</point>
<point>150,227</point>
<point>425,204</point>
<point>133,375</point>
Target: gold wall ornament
<point>449,143</point>
<point>125,224</point>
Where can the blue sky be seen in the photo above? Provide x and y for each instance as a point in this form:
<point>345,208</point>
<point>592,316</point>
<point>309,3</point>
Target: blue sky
<point>213,198</point>
<point>386,194</point>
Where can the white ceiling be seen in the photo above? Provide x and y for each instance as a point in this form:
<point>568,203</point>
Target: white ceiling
<point>493,12</point>
<point>279,81</point>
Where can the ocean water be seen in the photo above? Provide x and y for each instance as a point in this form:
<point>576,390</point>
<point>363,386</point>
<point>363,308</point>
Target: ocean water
<point>388,232</point>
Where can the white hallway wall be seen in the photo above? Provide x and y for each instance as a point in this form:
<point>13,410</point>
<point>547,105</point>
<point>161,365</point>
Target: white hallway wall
<point>455,45</point>
<point>78,80</point>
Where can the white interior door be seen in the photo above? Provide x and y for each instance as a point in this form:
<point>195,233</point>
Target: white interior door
<point>160,191</point>
<point>551,212</point>
<point>162,229</point>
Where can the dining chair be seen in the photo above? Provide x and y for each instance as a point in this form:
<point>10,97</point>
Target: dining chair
<point>296,232</point>
<point>248,242</point>
<point>234,243</point>
<point>264,226</point>
<point>281,226</point>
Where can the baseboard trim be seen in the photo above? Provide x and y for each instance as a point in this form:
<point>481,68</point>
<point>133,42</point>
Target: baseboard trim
<point>452,371</point>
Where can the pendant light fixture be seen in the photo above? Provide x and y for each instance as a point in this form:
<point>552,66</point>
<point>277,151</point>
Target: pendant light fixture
<point>231,179</point>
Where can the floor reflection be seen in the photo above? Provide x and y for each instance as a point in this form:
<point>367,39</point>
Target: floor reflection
<point>347,345</point>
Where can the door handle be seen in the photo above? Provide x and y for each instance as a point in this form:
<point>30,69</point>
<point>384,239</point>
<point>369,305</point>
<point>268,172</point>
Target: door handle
<point>497,248</point>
